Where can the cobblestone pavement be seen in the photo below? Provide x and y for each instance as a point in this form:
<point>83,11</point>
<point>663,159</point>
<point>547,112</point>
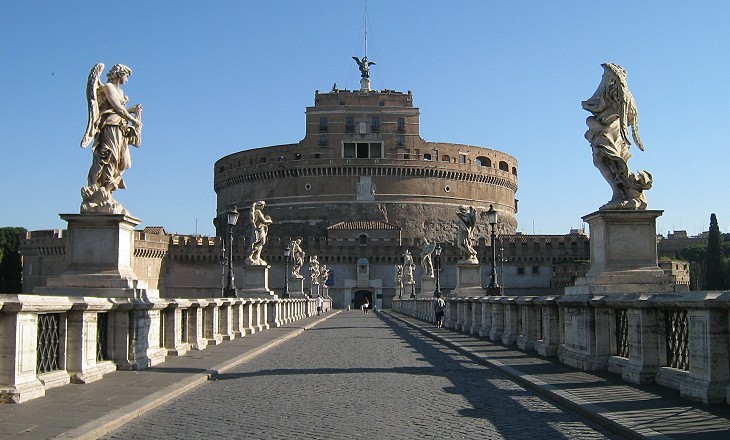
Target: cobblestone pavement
<point>360,376</point>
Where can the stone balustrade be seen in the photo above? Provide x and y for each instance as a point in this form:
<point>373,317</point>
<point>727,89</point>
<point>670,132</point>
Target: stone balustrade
<point>680,341</point>
<point>50,341</point>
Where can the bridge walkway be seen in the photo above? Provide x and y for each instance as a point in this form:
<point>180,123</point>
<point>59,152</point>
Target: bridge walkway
<point>350,375</point>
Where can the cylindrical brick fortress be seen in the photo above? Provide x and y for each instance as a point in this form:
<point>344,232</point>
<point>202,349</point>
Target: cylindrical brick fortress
<point>363,159</point>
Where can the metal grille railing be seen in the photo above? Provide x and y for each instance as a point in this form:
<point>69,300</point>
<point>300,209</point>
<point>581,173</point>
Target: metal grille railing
<point>519,321</point>
<point>102,326</point>
<point>184,326</point>
<point>49,342</point>
<point>677,333</point>
<point>162,329</point>
<point>539,324</point>
<point>622,333</point>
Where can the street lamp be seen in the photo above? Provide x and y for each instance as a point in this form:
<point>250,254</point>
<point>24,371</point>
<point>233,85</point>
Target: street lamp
<point>231,220</point>
<point>287,255</point>
<point>493,288</point>
<point>437,292</point>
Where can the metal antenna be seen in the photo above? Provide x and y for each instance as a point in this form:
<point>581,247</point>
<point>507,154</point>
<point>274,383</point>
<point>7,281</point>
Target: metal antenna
<point>366,28</point>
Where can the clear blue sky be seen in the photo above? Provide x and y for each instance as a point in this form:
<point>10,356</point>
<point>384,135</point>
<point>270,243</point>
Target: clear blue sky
<point>223,76</point>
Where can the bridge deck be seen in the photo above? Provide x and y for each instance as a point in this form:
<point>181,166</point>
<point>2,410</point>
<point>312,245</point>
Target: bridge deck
<point>352,375</point>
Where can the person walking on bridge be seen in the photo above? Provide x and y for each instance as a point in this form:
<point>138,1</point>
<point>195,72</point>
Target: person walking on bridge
<point>438,307</point>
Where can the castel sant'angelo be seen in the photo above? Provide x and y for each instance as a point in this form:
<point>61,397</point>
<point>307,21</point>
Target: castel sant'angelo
<point>363,160</point>
<point>360,190</point>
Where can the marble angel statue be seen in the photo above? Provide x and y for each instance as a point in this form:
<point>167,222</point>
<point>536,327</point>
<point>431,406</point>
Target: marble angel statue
<point>258,233</point>
<point>465,235</point>
<point>426,259</point>
<point>613,112</point>
<point>111,128</point>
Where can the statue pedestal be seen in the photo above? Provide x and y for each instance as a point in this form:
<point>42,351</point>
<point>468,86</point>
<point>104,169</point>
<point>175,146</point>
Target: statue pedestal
<point>623,261</point>
<point>296,287</point>
<point>99,254</point>
<point>623,255</point>
<point>256,282</point>
<point>428,286</point>
<point>365,84</point>
<point>468,280</point>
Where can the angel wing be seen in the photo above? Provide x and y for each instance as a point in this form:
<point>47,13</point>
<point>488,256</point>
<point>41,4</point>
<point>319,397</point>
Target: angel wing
<point>429,248</point>
<point>92,85</point>
<point>357,60</point>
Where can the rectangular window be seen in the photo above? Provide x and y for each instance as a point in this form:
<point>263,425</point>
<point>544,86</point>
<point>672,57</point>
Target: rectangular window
<point>363,150</point>
<point>376,151</point>
<point>536,270</point>
<point>375,127</point>
<point>323,125</point>
<point>348,150</point>
<point>350,124</point>
<point>401,141</point>
<point>407,154</point>
<point>417,153</point>
<point>520,271</point>
<point>401,124</point>
<point>323,140</point>
<point>462,158</point>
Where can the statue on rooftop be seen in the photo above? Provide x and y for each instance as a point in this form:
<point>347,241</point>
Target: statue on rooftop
<point>257,234</point>
<point>112,127</point>
<point>465,235</point>
<point>613,111</point>
<point>364,66</point>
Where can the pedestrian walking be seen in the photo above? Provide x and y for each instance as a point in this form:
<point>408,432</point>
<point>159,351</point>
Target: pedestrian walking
<point>438,307</point>
<point>365,305</point>
<point>320,304</point>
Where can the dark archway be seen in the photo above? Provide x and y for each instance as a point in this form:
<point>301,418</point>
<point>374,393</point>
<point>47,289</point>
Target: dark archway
<point>358,298</point>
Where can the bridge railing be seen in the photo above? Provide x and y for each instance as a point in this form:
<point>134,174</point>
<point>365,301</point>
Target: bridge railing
<point>680,341</point>
<point>50,341</point>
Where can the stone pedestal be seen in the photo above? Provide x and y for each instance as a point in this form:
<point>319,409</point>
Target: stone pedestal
<point>468,280</point>
<point>428,286</point>
<point>623,255</point>
<point>365,84</point>
<point>296,287</point>
<point>99,253</point>
<point>256,282</point>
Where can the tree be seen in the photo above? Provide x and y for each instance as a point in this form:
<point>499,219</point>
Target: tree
<point>714,258</point>
<point>11,268</point>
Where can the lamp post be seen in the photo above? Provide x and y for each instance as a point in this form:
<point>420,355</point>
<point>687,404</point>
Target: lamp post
<point>437,292</point>
<point>287,255</point>
<point>231,219</point>
<point>493,288</point>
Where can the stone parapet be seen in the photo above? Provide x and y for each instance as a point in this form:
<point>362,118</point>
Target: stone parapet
<point>677,340</point>
<point>50,341</point>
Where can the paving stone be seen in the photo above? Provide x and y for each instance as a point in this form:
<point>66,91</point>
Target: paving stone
<point>358,376</point>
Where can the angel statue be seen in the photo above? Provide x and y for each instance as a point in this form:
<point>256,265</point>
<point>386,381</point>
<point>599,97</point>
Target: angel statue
<point>465,235</point>
<point>297,254</point>
<point>408,266</point>
<point>426,260</point>
<point>614,111</point>
<point>258,233</point>
<point>364,66</point>
<point>314,272</point>
<point>112,127</point>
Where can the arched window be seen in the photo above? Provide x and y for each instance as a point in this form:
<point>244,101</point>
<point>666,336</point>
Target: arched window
<point>363,240</point>
<point>503,166</point>
<point>445,158</point>
<point>514,170</point>
<point>483,162</point>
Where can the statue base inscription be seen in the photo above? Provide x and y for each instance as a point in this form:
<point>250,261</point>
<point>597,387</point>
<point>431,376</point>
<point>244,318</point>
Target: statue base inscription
<point>468,280</point>
<point>256,282</point>
<point>428,286</point>
<point>623,255</point>
<point>99,253</point>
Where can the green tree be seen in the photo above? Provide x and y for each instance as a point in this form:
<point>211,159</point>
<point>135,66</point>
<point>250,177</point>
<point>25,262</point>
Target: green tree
<point>714,258</point>
<point>11,268</point>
